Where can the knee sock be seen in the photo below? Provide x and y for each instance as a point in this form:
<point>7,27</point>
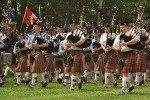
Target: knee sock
<point>73,80</point>
<point>18,74</point>
<point>112,77</point>
<point>34,77</point>
<point>107,78</point>
<point>57,74</point>
<point>27,76</point>
<point>66,77</point>
<point>137,78</point>
<point>86,73</point>
<point>1,81</point>
<point>125,82</point>
<point>97,73</point>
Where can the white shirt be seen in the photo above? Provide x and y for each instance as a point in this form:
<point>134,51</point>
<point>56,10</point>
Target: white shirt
<point>103,37</point>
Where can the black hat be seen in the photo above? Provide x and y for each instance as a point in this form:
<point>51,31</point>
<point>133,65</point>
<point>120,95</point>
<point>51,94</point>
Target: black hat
<point>20,33</point>
<point>73,22</point>
<point>36,23</point>
<point>124,23</point>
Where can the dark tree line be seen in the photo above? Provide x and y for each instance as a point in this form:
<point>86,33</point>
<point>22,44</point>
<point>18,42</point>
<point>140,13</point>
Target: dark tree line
<point>60,10</point>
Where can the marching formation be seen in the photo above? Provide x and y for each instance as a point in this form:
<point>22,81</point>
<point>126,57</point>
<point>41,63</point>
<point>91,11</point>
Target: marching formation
<point>76,54</point>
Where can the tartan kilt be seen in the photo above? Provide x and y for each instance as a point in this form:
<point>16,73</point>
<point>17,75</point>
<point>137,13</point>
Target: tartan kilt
<point>87,61</point>
<point>77,65</point>
<point>22,64</point>
<point>38,64</point>
<point>100,63</point>
<point>111,61</point>
<point>58,62</point>
<point>1,65</point>
<point>140,62</point>
<point>147,64</point>
<point>130,62</point>
<point>49,67</point>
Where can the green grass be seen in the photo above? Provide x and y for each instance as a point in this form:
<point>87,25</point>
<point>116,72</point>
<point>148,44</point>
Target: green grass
<point>55,91</point>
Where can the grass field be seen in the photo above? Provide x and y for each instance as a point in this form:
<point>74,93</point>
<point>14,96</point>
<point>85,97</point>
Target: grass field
<point>55,91</point>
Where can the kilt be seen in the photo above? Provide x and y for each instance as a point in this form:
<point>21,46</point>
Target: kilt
<point>77,65</point>
<point>87,60</point>
<point>147,59</point>
<point>38,64</point>
<point>111,61</point>
<point>22,64</point>
<point>100,63</point>
<point>49,67</point>
<point>140,62</point>
<point>1,65</point>
<point>130,61</point>
<point>58,62</point>
<point>147,64</point>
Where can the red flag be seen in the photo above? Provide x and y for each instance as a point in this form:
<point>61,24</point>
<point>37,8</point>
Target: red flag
<point>29,16</point>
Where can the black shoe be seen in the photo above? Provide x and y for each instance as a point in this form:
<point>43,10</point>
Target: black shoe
<point>72,88</point>
<point>84,79</point>
<point>27,82</point>
<point>46,76</point>
<point>23,81</point>
<point>31,86</point>
<point>3,77</point>
<point>16,84</point>
<point>44,84</point>
<point>1,84</point>
<point>59,80</point>
<point>141,83</point>
<point>122,92</point>
<point>104,86</point>
<point>95,82</point>
<point>130,89</point>
<point>64,84</point>
<point>80,85</point>
<point>50,80</point>
<point>115,84</point>
<point>103,81</point>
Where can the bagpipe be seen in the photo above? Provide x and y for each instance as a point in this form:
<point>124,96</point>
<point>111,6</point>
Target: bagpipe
<point>139,45</point>
<point>22,45</point>
<point>74,39</point>
<point>110,40</point>
<point>57,41</point>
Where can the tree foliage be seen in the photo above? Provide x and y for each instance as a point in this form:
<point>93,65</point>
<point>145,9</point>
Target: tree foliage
<point>58,10</point>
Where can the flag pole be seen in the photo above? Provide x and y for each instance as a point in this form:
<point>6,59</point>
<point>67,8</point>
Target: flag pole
<point>24,14</point>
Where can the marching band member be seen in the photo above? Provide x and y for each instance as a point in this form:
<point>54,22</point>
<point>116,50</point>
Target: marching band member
<point>73,55</point>
<point>127,57</point>
<point>87,58</point>
<point>9,57</point>
<point>21,56</point>
<point>110,59</point>
<point>1,63</point>
<point>98,57</point>
<point>38,64</point>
